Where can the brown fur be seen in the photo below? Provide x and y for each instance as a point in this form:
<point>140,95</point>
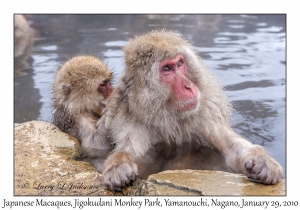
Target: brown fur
<point>78,103</point>
<point>151,137</point>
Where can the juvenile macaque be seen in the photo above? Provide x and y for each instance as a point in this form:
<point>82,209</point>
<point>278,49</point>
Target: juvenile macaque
<point>168,109</point>
<point>80,91</point>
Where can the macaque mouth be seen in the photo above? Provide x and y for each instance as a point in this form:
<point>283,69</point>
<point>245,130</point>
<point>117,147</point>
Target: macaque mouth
<point>188,104</point>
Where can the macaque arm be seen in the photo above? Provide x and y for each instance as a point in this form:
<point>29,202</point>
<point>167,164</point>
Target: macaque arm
<point>96,135</point>
<point>121,167</point>
<point>245,157</point>
<point>63,120</point>
<point>89,136</point>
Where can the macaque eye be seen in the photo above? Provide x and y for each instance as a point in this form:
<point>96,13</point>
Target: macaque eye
<point>166,68</point>
<point>180,63</point>
<point>104,83</point>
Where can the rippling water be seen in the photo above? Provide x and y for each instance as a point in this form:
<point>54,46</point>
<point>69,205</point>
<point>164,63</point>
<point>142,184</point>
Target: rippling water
<point>245,52</point>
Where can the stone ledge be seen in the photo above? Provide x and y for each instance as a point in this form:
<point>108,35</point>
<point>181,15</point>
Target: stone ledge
<point>45,165</point>
<point>213,183</point>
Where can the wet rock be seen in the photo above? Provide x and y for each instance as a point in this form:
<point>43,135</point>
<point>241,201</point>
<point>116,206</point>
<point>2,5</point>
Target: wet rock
<point>45,164</point>
<point>202,182</point>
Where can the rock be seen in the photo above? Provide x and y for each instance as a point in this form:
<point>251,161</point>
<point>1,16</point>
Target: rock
<point>45,164</point>
<point>202,182</point>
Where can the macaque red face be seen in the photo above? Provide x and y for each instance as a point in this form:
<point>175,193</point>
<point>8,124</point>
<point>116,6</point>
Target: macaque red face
<point>173,72</point>
<point>105,89</point>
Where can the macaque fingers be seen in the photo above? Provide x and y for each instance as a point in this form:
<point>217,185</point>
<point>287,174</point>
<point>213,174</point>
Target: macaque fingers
<point>121,173</point>
<point>263,169</point>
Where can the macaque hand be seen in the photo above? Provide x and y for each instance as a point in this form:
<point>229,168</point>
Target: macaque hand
<point>263,169</point>
<point>119,171</point>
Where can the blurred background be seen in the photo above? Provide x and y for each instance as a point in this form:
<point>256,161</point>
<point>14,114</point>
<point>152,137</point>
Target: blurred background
<point>247,53</point>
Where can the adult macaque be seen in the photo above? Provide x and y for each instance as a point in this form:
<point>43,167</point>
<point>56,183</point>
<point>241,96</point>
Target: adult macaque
<point>80,91</point>
<point>167,109</point>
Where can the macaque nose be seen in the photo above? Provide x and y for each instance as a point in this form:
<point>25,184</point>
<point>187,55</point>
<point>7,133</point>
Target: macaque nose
<point>187,84</point>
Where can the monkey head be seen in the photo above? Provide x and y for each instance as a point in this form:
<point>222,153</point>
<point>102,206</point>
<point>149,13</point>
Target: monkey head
<point>167,69</point>
<point>82,83</point>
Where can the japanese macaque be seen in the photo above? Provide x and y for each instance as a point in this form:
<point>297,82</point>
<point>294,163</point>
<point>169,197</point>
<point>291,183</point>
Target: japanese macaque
<point>80,91</point>
<point>22,34</point>
<point>167,110</point>
<point>24,37</point>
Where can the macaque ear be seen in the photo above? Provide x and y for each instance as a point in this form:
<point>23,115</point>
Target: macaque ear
<point>66,90</point>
